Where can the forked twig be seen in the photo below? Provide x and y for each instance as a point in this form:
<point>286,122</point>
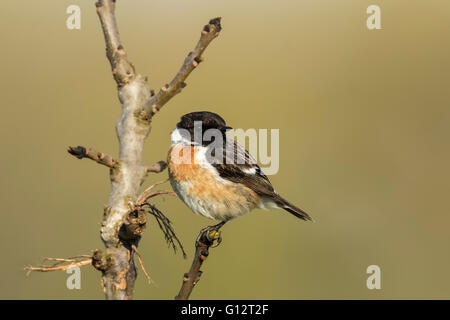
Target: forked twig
<point>61,264</point>
<point>142,264</point>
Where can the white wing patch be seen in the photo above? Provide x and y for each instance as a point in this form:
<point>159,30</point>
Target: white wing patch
<point>250,170</point>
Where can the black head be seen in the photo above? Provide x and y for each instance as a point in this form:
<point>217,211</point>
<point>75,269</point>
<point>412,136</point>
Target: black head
<point>209,120</point>
<point>202,120</point>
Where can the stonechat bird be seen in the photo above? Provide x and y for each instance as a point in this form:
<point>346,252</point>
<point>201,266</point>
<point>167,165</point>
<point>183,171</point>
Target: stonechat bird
<point>215,176</point>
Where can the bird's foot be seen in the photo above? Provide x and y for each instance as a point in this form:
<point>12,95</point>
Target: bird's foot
<point>214,235</point>
<point>211,235</point>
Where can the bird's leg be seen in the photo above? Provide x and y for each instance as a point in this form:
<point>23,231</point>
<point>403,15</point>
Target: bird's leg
<point>210,234</point>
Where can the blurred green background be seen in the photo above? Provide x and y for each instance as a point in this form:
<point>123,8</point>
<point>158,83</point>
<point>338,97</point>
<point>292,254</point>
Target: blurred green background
<point>364,123</point>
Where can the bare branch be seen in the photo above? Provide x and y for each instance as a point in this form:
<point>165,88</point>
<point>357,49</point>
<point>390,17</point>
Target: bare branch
<point>148,193</point>
<point>62,264</point>
<point>156,102</point>
<point>202,245</point>
<point>122,70</point>
<point>142,264</point>
<point>119,231</point>
<point>123,224</point>
<point>108,161</point>
<point>99,157</point>
<point>157,167</point>
<point>159,193</point>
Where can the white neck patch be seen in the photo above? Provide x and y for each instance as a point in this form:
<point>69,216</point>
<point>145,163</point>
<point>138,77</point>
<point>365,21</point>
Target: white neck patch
<point>177,138</point>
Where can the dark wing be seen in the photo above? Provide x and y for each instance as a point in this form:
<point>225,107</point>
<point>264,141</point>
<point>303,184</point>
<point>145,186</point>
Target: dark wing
<point>234,163</point>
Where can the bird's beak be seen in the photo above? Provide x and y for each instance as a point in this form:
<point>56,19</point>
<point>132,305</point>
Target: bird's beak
<point>225,128</point>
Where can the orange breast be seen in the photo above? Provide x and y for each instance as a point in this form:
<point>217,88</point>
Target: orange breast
<point>221,199</point>
<point>181,160</point>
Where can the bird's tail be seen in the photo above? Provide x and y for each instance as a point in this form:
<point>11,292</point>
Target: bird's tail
<point>289,207</point>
